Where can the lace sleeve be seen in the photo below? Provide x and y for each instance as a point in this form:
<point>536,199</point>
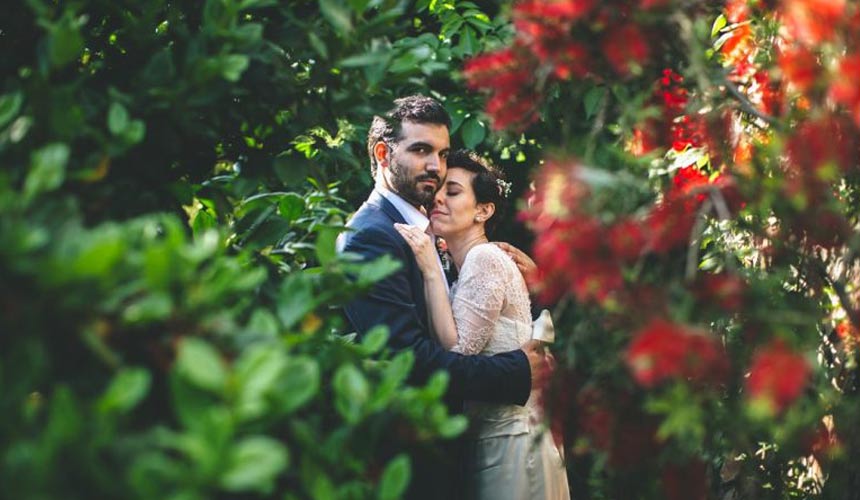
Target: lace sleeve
<point>479,298</point>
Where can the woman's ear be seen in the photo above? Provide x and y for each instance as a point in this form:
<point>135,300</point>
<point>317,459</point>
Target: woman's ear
<point>380,153</point>
<point>485,212</point>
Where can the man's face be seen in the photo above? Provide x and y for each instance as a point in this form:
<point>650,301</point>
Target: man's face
<point>417,164</point>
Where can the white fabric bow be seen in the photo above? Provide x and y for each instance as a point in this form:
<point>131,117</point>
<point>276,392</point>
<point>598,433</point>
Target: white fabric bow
<point>543,328</point>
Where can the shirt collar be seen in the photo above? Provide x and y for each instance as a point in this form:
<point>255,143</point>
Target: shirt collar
<point>411,214</point>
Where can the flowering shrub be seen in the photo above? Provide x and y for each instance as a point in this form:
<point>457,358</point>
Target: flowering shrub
<point>696,226</point>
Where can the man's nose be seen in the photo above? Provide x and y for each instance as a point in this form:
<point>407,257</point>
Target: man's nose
<point>435,163</point>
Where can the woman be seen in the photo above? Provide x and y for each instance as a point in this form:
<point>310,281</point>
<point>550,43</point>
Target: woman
<point>489,312</point>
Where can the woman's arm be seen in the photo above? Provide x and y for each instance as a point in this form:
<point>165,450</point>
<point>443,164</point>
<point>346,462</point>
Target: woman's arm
<point>435,292</point>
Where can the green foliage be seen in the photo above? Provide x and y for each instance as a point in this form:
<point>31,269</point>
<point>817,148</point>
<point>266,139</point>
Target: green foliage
<point>175,176</point>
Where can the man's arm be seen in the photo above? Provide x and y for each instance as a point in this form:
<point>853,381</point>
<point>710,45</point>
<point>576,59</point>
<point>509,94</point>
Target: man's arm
<point>503,378</point>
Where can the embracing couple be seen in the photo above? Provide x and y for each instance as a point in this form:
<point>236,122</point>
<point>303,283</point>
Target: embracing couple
<point>478,330</point>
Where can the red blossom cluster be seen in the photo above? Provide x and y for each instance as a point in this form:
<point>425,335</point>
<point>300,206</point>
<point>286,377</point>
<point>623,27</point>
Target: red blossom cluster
<point>777,375</point>
<point>819,153</point>
<point>674,127</point>
<point>580,254</point>
<point>553,43</point>
<point>663,351</point>
<point>614,425</point>
<point>724,290</point>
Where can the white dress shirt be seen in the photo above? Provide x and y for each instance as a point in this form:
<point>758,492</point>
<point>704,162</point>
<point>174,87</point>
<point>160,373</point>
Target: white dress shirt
<point>413,217</point>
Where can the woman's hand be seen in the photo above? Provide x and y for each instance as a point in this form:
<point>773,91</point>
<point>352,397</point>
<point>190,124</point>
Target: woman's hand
<point>524,263</point>
<point>422,246</point>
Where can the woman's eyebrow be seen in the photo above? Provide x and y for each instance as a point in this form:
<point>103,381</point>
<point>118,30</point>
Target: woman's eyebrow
<point>453,183</point>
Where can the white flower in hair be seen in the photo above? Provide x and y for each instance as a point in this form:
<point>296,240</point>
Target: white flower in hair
<point>504,188</point>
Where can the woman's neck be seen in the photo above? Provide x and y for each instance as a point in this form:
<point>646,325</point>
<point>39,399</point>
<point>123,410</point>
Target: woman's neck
<point>459,245</point>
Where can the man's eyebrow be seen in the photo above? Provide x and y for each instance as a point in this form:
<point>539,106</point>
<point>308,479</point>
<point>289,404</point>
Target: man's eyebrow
<point>418,144</point>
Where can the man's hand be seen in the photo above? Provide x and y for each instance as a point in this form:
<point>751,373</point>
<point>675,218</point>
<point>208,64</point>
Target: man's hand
<point>541,363</point>
<point>524,263</point>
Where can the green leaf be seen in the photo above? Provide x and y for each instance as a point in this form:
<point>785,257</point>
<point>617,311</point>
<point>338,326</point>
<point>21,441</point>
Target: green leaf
<point>151,307</point>
<point>593,99</point>
<point>375,339</point>
<point>117,118</point>
<point>473,132</point>
<point>254,464</point>
<point>326,243</point>
<point>371,272</point>
<point>257,373</point>
<point>719,23</point>
<point>453,426</point>
<point>65,43</point>
<point>47,169</point>
<point>318,44</point>
<point>337,14</point>
<point>468,42</point>
<point>135,132</point>
<point>295,299</point>
<point>300,382</point>
<point>395,478</point>
<point>351,392</point>
<point>291,206</point>
<point>10,104</point>
<point>200,364</point>
<point>233,65</point>
<point>126,390</point>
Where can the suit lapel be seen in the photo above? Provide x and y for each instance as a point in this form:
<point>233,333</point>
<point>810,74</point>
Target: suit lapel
<point>416,280</point>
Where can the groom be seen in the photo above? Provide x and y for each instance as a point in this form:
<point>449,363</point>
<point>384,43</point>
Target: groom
<point>408,147</point>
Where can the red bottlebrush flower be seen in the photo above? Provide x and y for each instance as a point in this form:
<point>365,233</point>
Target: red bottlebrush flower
<point>777,375</point>
<point>509,76</point>
<point>669,225</point>
<point>653,4</point>
<point>595,278</point>
<point>812,21</point>
<point>799,67</point>
<point>724,290</point>
<point>847,332</point>
<point>596,422</point>
<point>689,180</point>
<point>768,92</point>
<point>571,60</point>
<point>626,48</point>
<point>553,11</point>
<point>737,10</point>
<point>844,88</point>
<point>664,351</point>
<point>740,46</point>
<point>685,482</point>
<point>627,240</point>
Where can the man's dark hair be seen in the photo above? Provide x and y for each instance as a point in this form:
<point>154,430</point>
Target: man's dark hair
<point>488,184</point>
<point>414,108</point>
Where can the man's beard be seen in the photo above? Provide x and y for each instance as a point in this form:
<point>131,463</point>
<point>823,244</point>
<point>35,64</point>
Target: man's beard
<point>408,189</point>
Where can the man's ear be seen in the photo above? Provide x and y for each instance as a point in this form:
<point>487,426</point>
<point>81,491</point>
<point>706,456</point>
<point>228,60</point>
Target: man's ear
<point>485,211</point>
<point>380,153</point>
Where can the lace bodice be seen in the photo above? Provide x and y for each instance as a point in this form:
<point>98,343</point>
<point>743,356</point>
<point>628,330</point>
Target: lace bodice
<point>492,312</point>
<point>490,289</point>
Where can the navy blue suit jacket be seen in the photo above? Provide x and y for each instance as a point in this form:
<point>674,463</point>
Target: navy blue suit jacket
<point>398,302</point>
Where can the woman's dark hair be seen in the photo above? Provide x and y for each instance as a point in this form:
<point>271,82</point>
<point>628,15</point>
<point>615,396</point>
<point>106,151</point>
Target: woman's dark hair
<point>489,182</point>
<point>413,108</point>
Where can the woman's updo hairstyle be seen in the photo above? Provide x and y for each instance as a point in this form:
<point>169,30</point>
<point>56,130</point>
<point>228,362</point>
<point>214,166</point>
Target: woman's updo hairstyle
<point>489,182</point>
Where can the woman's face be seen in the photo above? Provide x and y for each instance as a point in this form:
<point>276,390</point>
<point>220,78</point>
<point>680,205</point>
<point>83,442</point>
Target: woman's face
<point>455,208</point>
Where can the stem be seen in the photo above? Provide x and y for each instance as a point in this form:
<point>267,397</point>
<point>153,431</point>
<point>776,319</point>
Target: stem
<point>696,240</point>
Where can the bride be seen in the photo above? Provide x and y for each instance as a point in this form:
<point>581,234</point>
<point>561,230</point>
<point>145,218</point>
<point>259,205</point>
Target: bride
<point>489,312</point>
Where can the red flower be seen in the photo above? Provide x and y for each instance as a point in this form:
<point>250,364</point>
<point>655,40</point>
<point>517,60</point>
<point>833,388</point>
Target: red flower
<point>663,351</point>
<point>723,290</point>
<point>553,10</point>
<point>777,375</point>
<point>669,225</point>
<point>845,89</point>
<point>627,240</point>
<point>626,48</point>
<point>812,21</point>
<point>799,67</point>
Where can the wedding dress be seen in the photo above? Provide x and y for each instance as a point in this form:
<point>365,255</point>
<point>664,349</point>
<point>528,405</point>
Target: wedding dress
<point>510,457</point>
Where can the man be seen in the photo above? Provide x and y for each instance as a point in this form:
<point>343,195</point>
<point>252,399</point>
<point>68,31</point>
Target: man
<point>408,147</point>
